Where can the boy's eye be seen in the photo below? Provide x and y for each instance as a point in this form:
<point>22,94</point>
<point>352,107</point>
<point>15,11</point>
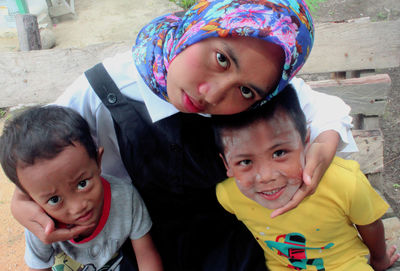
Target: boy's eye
<point>245,162</point>
<point>278,153</point>
<point>54,200</point>
<point>83,184</point>
<point>246,92</point>
<point>222,60</point>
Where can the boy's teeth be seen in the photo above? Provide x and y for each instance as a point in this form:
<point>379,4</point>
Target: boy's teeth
<point>271,192</point>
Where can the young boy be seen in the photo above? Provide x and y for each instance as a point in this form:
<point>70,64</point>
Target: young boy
<point>49,154</point>
<point>263,149</point>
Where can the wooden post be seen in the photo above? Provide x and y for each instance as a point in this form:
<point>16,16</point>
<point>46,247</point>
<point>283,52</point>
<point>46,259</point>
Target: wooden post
<point>28,32</point>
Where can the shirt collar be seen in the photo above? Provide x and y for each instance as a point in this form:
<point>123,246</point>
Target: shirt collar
<point>158,108</point>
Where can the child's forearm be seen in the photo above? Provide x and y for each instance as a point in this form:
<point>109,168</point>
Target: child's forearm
<point>373,236</point>
<point>147,256</point>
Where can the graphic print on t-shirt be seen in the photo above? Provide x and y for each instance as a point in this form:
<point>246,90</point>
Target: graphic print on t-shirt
<point>294,249</point>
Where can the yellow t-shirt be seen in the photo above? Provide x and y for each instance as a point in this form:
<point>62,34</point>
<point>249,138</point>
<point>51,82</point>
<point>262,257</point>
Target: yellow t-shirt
<point>319,233</point>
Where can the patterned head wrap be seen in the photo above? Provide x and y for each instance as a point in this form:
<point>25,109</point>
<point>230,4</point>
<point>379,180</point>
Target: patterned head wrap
<point>287,23</point>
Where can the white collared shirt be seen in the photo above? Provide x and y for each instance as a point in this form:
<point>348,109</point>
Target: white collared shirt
<point>323,112</point>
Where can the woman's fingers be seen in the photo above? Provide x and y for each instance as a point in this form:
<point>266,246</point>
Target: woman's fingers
<point>36,220</point>
<point>65,234</point>
<point>303,191</point>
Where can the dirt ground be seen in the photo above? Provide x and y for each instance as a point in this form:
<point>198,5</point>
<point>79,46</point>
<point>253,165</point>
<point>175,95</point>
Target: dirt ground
<point>99,21</point>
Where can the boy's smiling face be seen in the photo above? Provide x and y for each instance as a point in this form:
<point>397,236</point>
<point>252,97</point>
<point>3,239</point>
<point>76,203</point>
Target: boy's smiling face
<point>266,158</point>
<point>68,187</point>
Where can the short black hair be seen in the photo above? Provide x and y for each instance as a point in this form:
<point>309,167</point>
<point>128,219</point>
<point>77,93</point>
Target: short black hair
<point>42,133</point>
<point>287,100</point>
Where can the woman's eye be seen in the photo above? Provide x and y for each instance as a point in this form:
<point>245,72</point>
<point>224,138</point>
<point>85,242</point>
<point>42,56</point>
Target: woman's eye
<point>83,184</point>
<point>246,92</point>
<point>222,60</point>
<point>245,162</point>
<point>54,200</point>
<point>278,153</point>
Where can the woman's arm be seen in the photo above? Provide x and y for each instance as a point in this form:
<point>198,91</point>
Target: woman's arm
<point>326,112</point>
<point>147,256</point>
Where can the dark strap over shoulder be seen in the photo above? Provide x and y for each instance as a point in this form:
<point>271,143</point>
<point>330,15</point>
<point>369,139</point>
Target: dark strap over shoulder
<point>175,166</point>
<point>109,93</point>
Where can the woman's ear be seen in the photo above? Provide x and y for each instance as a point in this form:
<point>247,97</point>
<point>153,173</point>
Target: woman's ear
<point>229,172</point>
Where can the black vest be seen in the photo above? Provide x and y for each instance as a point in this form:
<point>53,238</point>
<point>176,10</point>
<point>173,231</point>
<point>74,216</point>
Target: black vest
<point>175,166</point>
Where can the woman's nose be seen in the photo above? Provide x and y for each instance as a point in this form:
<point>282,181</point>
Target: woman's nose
<point>213,92</point>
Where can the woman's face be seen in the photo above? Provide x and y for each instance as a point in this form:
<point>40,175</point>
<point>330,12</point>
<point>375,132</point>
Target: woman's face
<point>223,75</point>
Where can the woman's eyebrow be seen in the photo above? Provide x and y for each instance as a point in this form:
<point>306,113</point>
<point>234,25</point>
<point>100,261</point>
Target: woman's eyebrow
<point>231,54</point>
<point>260,92</point>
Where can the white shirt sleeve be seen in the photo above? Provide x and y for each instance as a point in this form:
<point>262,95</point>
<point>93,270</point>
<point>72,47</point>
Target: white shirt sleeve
<point>326,112</point>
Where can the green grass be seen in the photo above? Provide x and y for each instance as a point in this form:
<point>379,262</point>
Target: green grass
<point>186,4</point>
<point>3,112</point>
<point>314,4</point>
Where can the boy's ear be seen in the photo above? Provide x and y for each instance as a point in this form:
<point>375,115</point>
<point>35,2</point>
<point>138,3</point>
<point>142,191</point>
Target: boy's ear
<point>229,172</point>
<point>100,152</point>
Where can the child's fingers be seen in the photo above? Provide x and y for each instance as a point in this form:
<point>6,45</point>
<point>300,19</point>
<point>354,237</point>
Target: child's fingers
<point>393,256</point>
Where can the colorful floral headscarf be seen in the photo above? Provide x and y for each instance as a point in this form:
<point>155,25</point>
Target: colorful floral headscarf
<point>287,23</point>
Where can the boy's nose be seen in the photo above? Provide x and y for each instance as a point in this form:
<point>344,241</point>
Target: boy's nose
<point>77,206</point>
<point>266,175</point>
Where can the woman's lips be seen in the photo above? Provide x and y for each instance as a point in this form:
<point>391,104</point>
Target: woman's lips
<point>191,105</point>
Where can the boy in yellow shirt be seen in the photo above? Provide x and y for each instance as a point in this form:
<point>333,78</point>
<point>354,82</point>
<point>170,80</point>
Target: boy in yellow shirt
<point>263,150</point>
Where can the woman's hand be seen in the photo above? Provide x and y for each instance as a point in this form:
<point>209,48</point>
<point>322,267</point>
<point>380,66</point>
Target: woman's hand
<point>32,217</point>
<point>319,155</point>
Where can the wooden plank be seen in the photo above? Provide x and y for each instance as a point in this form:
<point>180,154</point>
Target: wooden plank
<point>370,155</point>
<point>38,77</point>
<point>365,95</point>
<point>353,45</point>
<point>370,122</point>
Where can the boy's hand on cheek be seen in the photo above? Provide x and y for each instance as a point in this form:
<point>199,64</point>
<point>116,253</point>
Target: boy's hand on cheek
<point>319,155</point>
